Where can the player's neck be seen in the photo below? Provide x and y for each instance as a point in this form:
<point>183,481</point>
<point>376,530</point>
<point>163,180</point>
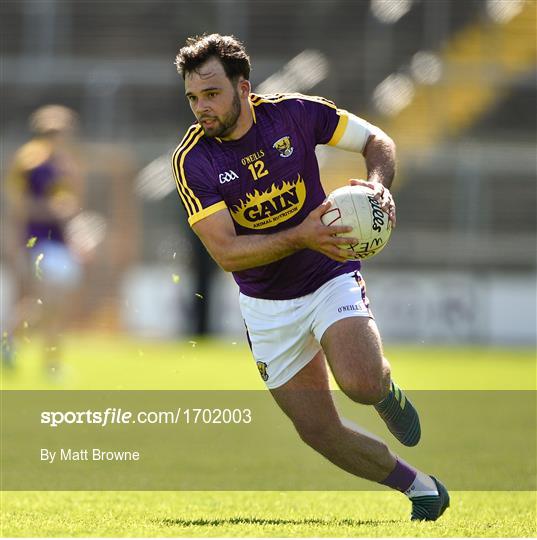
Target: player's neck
<point>244,123</point>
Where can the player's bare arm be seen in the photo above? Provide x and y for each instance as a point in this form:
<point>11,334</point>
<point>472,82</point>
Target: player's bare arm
<point>379,154</point>
<point>378,149</point>
<point>234,253</point>
<point>380,157</point>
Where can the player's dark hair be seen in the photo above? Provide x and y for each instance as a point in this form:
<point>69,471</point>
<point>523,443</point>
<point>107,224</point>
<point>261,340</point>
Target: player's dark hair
<point>228,49</point>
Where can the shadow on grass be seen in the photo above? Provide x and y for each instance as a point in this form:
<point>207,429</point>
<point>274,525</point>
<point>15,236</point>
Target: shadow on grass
<point>260,521</point>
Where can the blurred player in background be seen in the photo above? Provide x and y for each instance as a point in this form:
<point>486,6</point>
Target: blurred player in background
<point>44,189</point>
<point>249,180</point>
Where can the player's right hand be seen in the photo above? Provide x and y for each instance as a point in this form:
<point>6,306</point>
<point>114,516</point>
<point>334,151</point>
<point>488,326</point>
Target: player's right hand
<point>382,194</point>
<point>314,234</point>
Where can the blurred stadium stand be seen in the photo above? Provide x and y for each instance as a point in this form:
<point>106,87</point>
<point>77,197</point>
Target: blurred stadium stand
<point>454,83</point>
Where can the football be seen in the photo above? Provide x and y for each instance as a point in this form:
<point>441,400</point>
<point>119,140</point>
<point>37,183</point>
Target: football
<point>355,206</point>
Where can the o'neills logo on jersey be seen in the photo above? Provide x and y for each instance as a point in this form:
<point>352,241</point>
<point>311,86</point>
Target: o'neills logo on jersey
<point>264,209</point>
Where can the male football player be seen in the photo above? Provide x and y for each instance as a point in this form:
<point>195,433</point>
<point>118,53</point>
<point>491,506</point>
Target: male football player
<point>44,188</point>
<point>248,177</point>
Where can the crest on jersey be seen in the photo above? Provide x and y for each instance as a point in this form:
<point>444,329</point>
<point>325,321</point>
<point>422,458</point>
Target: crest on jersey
<point>262,367</point>
<point>283,146</point>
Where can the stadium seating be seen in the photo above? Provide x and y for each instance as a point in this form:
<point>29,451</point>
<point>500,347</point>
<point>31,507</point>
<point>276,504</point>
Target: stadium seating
<point>113,62</point>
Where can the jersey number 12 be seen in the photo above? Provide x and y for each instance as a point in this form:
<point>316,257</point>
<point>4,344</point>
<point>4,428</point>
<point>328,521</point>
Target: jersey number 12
<point>257,168</point>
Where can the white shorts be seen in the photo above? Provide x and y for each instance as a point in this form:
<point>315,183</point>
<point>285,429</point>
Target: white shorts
<point>285,335</point>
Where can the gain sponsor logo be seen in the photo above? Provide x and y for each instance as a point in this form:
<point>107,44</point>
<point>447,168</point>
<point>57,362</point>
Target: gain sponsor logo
<point>264,209</point>
<point>227,176</point>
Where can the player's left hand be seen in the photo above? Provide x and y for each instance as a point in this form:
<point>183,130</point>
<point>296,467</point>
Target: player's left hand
<point>382,194</point>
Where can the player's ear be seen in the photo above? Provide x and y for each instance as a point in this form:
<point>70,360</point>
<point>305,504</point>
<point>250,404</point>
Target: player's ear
<point>244,88</point>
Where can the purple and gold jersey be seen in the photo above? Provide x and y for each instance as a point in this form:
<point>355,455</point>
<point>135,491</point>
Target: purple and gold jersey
<point>269,181</point>
<point>37,175</point>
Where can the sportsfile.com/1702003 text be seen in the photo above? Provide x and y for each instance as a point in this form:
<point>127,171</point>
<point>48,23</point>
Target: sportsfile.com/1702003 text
<point>115,416</point>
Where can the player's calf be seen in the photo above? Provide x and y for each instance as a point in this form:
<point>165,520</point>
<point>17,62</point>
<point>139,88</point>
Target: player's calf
<point>352,451</point>
<point>317,435</point>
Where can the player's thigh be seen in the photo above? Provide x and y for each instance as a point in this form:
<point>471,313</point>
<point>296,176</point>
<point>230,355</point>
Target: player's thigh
<point>307,401</point>
<point>354,351</point>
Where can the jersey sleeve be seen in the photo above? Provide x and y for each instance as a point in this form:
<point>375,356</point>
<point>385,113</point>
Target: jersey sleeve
<point>195,184</point>
<point>16,177</point>
<point>327,122</point>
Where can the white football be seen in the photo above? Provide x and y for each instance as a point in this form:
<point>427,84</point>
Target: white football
<point>355,206</point>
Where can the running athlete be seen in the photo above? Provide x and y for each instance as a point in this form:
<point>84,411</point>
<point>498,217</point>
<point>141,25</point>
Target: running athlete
<point>44,189</point>
<point>249,180</point>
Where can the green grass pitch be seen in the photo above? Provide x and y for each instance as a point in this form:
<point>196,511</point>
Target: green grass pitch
<point>118,363</point>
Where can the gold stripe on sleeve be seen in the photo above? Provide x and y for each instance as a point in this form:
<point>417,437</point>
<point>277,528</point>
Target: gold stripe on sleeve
<point>191,202</point>
<point>206,212</point>
<point>180,189</point>
<point>182,177</point>
<point>340,128</point>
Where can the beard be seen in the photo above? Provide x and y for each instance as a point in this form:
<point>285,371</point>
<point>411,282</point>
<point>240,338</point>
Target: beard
<point>226,124</point>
